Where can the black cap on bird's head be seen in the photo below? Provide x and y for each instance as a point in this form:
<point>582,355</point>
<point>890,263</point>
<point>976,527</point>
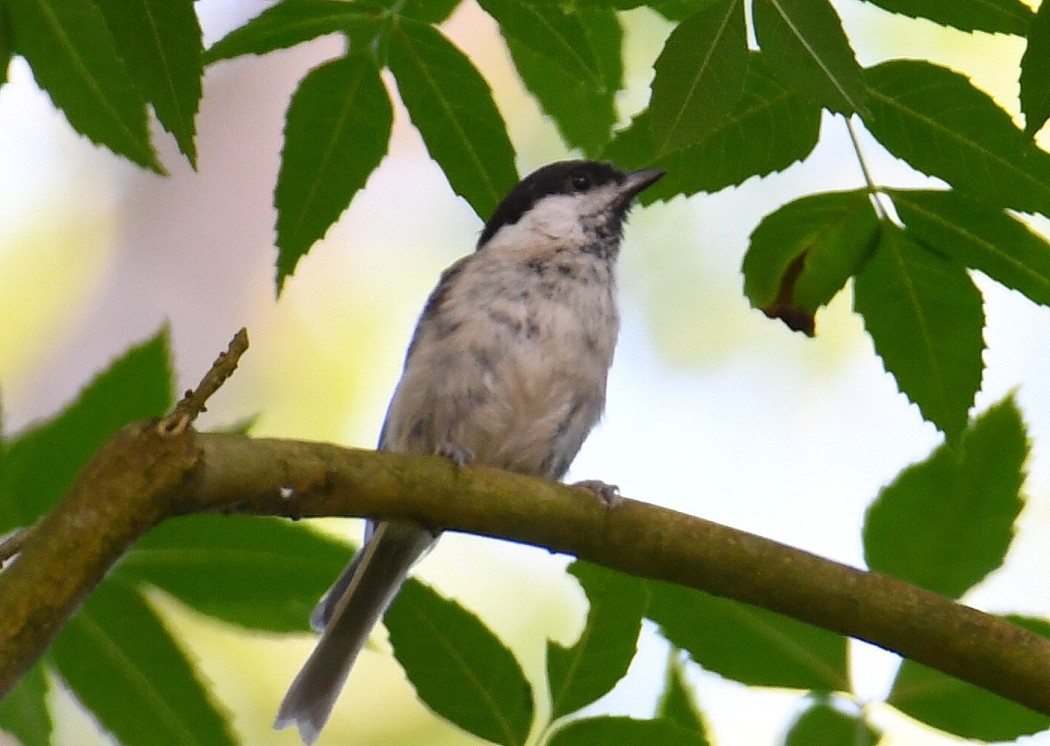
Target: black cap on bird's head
<point>614,190</point>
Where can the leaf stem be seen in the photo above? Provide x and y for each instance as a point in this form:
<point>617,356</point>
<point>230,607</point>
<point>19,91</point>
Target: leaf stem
<point>873,190</point>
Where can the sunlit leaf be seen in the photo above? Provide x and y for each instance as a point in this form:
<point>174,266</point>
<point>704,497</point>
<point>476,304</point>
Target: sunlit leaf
<point>552,32</point>
<point>427,11</point>
<point>748,644</point>
<point>803,253</point>
<point>460,669</point>
<point>40,463</point>
<point>124,666</point>
<point>678,700</point>
<point>770,128</point>
<point>337,131</point>
<point>564,98</point>
<point>807,48</point>
<point>24,712</point>
<point>967,494</point>
<point>452,106</point>
<point>936,120</point>
<point>981,236</point>
<point>995,16</point>
<point>73,57</point>
<point>588,669</point>
<point>255,572</point>
<point>624,731</point>
<point>955,706</point>
<point>160,40</point>
<point>1035,72</point>
<point>925,317</point>
<point>823,725</point>
<point>699,76</point>
<point>6,50</point>
<point>289,23</point>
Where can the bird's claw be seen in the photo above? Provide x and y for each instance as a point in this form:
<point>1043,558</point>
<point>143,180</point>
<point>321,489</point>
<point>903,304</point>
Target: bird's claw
<point>457,454</point>
<point>607,493</point>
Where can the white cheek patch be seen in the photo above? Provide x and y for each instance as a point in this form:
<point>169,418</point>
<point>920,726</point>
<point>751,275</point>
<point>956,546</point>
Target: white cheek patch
<point>558,217</point>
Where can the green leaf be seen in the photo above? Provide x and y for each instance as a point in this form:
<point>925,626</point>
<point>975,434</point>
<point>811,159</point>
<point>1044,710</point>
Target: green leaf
<point>582,673</point>
<point>549,31</point>
<point>939,123</point>
<point>451,105</point>
<point>981,236</point>
<point>1035,73</point>
<point>258,573</point>
<point>948,521</point>
<point>823,725</point>
<point>611,4</point>
<point>583,113</point>
<point>71,51</point>
<point>426,11</point>
<point>802,254</point>
<point>242,426</point>
<point>957,707</point>
<point>770,128</point>
<point>123,665</point>
<point>6,44</point>
<point>460,669</point>
<point>160,40</point>
<point>289,23</point>
<point>924,315</point>
<point>699,76</point>
<point>23,711</point>
<point>678,701</point>
<point>749,644</point>
<point>337,131</point>
<point>40,463</point>
<point>672,10</point>
<point>624,731</point>
<point>807,48</point>
<point>994,16</point>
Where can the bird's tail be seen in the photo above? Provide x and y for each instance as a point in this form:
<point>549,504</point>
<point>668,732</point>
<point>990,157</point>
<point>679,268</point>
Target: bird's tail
<point>348,612</point>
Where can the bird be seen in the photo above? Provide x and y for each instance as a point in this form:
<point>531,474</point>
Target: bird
<point>507,367</point>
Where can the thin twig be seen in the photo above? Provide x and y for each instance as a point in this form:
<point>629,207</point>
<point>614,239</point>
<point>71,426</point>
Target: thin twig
<point>193,401</point>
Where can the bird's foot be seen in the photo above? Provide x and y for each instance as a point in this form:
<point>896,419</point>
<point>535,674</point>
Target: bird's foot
<point>607,493</point>
<point>457,454</point>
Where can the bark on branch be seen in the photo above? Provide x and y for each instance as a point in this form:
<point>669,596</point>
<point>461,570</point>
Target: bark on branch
<point>150,472</point>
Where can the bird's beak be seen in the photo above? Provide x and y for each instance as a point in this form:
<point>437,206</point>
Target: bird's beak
<point>638,180</point>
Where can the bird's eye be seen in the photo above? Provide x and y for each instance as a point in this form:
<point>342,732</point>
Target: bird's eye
<point>580,182</point>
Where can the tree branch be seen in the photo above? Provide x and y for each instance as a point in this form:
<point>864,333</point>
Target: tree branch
<point>126,489</point>
<point>192,403</point>
<point>147,473</point>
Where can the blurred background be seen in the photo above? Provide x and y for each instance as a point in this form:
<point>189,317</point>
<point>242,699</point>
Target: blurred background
<point>712,408</point>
